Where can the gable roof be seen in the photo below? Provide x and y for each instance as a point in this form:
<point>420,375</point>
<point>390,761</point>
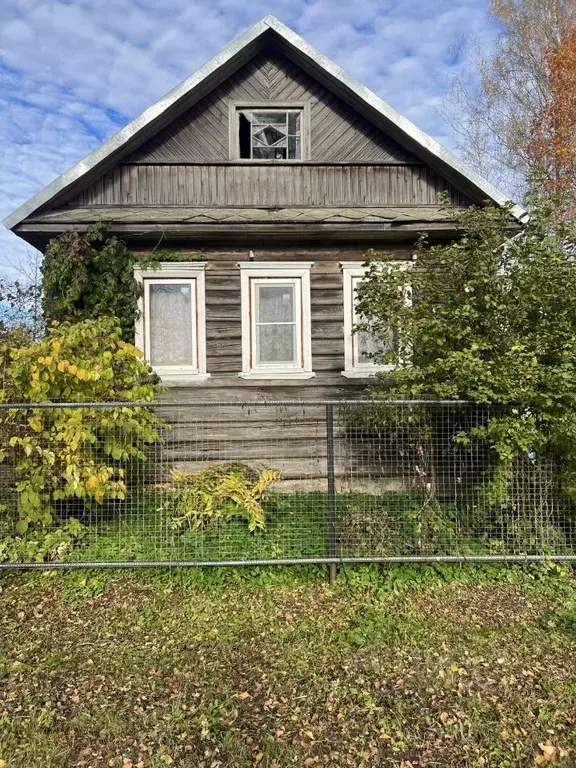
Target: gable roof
<point>215,71</point>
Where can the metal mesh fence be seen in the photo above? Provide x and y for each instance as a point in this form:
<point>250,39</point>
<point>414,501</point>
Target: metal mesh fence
<point>267,482</point>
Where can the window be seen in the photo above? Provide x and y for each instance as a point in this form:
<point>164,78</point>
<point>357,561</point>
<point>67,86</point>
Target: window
<point>171,327</point>
<point>276,340</point>
<point>269,131</point>
<point>359,345</point>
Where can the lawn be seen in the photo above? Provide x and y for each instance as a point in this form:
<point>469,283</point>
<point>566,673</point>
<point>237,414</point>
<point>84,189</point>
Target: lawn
<point>390,523</point>
<point>405,666</point>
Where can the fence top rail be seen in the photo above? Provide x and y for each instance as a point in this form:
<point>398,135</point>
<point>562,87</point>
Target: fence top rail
<point>233,403</point>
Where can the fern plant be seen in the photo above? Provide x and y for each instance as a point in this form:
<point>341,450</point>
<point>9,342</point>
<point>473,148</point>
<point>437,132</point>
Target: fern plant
<point>221,492</point>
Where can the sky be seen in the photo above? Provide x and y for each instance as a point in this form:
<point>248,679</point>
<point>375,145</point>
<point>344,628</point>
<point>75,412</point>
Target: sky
<point>73,72</point>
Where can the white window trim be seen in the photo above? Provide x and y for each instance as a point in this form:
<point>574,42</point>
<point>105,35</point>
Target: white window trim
<point>185,272</point>
<point>251,273</point>
<point>352,271</point>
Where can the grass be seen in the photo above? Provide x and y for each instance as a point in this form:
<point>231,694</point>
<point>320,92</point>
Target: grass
<point>387,524</point>
<point>196,668</point>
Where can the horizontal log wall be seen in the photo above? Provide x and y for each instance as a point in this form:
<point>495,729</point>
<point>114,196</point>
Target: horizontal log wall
<point>224,333</point>
<point>269,186</point>
<point>291,440</point>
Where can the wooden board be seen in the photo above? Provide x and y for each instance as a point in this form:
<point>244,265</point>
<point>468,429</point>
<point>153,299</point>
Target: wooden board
<point>337,132</point>
<point>268,185</point>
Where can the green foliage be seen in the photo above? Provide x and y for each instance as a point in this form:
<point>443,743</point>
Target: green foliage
<point>493,321</point>
<point>88,275</point>
<point>223,492</point>
<point>66,458</point>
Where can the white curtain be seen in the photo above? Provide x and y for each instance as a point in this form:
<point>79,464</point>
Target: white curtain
<point>275,324</point>
<point>171,337</point>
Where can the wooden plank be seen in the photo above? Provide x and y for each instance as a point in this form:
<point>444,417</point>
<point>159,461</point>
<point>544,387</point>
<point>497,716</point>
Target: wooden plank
<point>202,131</point>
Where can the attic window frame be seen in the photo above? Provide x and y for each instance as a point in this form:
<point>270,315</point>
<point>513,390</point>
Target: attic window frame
<point>236,107</point>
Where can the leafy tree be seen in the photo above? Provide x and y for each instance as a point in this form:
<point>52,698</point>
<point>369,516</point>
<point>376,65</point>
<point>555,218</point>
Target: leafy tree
<point>553,145</point>
<point>493,320</point>
<point>493,112</point>
<point>88,275</point>
<point>19,306</point>
<point>65,462</point>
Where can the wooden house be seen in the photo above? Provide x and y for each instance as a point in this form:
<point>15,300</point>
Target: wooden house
<point>271,172</point>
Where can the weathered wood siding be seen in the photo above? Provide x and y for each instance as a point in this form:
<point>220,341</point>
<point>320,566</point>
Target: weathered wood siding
<point>223,325</point>
<point>269,185</point>
<point>291,440</point>
<point>337,133</point>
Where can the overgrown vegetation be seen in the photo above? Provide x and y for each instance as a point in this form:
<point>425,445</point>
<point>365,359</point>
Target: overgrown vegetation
<point>404,666</point>
<point>493,321</point>
<point>220,493</point>
<point>63,462</point>
<point>88,275</point>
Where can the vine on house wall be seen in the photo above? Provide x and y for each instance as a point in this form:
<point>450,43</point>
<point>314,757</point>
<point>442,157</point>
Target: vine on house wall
<point>89,275</point>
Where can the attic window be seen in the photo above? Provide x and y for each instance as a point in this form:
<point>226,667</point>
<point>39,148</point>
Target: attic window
<point>270,134</point>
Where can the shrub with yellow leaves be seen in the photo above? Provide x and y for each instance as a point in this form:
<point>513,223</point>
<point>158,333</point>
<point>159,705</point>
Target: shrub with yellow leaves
<point>69,460</point>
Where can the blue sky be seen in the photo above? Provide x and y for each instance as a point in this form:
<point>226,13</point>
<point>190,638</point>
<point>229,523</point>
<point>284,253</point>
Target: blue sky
<point>72,72</point>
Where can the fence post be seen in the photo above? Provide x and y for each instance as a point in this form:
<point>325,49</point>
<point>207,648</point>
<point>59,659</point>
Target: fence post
<point>331,490</point>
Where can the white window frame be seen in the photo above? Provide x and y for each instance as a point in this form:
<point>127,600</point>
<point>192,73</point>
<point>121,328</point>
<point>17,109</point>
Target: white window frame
<point>185,272</point>
<point>253,274</point>
<point>352,273</point>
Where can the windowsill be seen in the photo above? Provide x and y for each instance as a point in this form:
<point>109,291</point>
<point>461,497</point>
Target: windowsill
<point>182,379</point>
<point>358,374</point>
<point>270,375</point>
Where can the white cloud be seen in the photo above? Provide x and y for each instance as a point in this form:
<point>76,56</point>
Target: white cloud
<point>73,73</point>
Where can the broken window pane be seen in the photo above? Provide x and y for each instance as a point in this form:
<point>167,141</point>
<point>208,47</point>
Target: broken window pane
<point>273,135</point>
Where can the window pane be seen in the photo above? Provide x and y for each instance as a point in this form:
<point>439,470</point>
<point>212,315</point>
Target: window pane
<point>275,304</point>
<point>294,123</point>
<point>293,148</point>
<point>278,118</point>
<point>275,344</point>
<point>268,135</point>
<point>170,318</point>
<point>368,345</point>
<point>269,153</point>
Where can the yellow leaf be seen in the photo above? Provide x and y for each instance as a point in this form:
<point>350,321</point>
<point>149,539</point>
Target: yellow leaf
<point>547,748</point>
<point>92,483</point>
<point>72,369</point>
<point>62,365</point>
<point>2,764</point>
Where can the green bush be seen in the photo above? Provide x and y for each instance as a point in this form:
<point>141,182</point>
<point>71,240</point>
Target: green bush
<point>63,459</point>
